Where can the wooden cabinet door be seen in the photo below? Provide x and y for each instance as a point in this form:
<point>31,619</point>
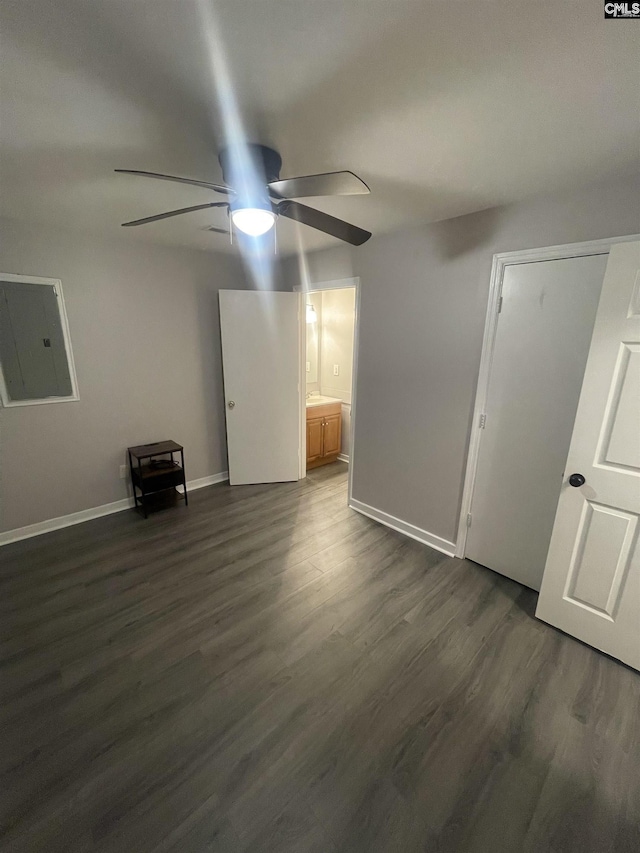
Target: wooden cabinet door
<point>332,434</point>
<point>314,438</point>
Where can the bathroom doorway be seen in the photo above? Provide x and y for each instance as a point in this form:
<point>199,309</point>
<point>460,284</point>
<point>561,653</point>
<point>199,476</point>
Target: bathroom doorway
<point>331,310</point>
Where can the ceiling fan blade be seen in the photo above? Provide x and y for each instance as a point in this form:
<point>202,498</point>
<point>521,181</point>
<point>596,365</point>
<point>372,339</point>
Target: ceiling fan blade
<point>174,213</point>
<point>216,187</point>
<point>323,222</point>
<point>330,183</point>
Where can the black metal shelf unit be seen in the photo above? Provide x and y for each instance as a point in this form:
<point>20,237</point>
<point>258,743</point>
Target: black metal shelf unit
<point>156,475</point>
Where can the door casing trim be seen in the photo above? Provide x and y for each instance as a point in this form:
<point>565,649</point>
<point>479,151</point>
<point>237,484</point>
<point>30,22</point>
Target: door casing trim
<point>501,261</point>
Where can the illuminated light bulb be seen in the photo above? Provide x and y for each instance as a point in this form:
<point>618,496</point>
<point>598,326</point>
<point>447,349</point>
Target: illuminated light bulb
<point>254,221</point>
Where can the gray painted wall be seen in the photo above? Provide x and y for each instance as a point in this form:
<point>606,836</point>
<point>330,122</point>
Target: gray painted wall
<point>423,300</point>
<point>338,315</point>
<point>146,342</point>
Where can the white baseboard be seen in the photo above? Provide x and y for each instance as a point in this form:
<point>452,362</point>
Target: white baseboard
<point>210,480</point>
<point>94,512</point>
<point>342,457</point>
<point>430,539</point>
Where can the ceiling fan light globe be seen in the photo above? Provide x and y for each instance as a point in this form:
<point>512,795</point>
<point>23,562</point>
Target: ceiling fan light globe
<point>253,221</point>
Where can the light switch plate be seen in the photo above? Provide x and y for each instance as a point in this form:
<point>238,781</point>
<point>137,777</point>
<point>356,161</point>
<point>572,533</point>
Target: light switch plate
<point>336,370</point>
<point>308,367</point>
<point>123,472</point>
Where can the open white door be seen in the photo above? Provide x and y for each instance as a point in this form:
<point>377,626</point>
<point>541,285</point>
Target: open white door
<point>262,361</point>
<point>591,583</point>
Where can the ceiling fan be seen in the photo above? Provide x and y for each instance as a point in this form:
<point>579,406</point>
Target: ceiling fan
<point>257,196</point>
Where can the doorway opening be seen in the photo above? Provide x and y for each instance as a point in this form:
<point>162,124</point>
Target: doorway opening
<point>540,317</point>
<point>263,336</point>
<point>330,322</point>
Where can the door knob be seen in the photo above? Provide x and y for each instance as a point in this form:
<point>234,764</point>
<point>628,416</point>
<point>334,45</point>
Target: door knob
<point>577,480</point>
<point>231,404</point>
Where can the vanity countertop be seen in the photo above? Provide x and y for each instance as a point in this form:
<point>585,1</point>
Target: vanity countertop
<point>320,400</point>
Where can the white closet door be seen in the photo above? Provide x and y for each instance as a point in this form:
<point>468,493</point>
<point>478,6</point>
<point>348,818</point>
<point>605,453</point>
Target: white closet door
<point>541,346</point>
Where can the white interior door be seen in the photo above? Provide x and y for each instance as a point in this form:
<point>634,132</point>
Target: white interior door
<point>539,357</point>
<point>591,584</point>
<point>262,359</point>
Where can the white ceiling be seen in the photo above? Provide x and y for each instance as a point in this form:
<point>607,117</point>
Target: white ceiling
<point>443,107</point>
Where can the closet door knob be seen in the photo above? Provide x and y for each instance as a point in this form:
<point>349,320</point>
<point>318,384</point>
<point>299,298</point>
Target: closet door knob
<point>231,404</point>
<point>577,480</point>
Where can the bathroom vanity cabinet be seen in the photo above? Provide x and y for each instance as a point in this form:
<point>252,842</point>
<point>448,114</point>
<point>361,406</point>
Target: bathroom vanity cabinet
<point>324,430</point>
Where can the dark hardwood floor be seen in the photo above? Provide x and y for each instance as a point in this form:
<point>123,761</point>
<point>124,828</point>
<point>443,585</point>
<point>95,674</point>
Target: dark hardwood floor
<point>266,670</point>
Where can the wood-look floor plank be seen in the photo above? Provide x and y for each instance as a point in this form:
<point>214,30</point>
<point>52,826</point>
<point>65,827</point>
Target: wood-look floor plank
<point>266,670</point>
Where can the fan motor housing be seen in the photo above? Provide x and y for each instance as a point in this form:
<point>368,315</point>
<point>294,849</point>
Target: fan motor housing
<point>265,162</point>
